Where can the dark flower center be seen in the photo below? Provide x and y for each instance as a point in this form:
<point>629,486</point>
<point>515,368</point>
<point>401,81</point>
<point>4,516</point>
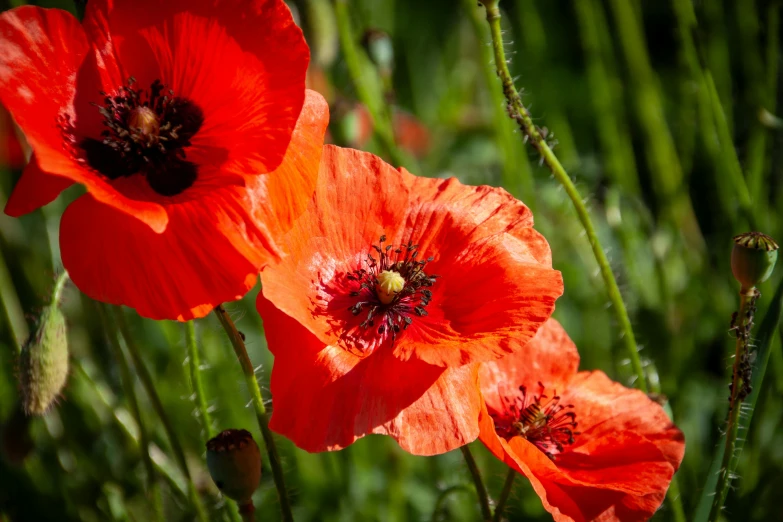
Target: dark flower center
<point>541,420</point>
<point>146,133</point>
<point>392,289</point>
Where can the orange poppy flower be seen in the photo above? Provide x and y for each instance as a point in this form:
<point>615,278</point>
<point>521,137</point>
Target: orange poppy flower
<point>592,448</point>
<point>187,122</point>
<point>396,286</point>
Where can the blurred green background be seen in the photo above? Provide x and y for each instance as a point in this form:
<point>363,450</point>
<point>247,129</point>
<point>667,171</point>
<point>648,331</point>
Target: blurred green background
<point>663,112</point>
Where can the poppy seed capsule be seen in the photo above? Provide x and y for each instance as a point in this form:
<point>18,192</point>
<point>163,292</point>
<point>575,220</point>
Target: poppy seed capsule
<point>753,258</point>
<point>43,363</point>
<point>390,283</point>
<point>234,463</point>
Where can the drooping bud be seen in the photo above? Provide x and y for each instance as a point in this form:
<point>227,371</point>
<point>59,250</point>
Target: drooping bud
<point>43,362</point>
<point>753,258</point>
<point>390,283</point>
<point>234,463</point>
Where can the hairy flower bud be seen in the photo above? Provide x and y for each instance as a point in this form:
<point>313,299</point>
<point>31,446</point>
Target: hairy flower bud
<point>43,363</point>
<point>234,463</point>
<point>753,258</point>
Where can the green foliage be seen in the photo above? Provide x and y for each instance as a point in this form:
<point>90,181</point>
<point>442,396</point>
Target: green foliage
<point>654,109</point>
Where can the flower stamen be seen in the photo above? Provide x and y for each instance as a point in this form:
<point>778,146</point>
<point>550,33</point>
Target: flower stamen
<point>540,419</point>
<point>393,288</point>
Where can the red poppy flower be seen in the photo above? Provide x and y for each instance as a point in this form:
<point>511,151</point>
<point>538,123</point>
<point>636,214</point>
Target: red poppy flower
<point>396,286</point>
<point>592,448</point>
<point>11,155</point>
<point>186,120</point>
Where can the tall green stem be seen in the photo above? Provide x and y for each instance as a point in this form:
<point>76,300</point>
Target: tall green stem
<point>481,491</point>
<point>13,309</point>
<point>518,112</point>
<point>127,384</point>
<point>258,403</point>
<point>194,364</point>
<point>745,321</point>
<point>157,404</point>
<point>504,494</point>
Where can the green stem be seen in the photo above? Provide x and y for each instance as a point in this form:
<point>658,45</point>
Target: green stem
<point>372,100</point>
<point>127,384</point>
<point>735,405</point>
<point>258,403</point>
<point>519,113</point>
<point>504,494</point>
<point>157,404</point>
<point>59,286</point>
<point>194,364</point>
<point>12,307</point>
<point>481,491</point>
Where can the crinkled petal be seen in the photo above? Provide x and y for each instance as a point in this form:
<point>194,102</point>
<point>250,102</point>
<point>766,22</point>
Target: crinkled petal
<point>34,189</point>
<point>358,198</point>
<point>326,398</point>
<point>242,63</point>
<point>550,357</point>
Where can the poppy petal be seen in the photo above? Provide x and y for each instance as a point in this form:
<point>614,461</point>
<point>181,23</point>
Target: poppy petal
<point>326,397</point>
<point>357,197</point>
<point>34,189</point>
<point>213,247</point>
<point>43,50</point>
<point>249,83</point>
<point>550,357</point>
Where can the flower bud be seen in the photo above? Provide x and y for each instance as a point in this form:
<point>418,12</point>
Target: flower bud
<point>43,363</point>
<point>234,463</point>
<point>753,258</point>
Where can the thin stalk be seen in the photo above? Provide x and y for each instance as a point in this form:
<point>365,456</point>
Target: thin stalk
<point>504,494</point>
<point>12,307</point>
<point>194,364</point>
<point>481,491</point>
<point>516,167</point>
<point>127,384</point>
<point>157,404</point>
<point>381,117</point>
<point>258,404</point>
<point>519,113</point>
<point>747,298</point>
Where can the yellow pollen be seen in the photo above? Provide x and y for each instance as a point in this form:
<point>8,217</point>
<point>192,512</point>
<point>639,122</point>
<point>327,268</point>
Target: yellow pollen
<point>145,120</point>
<point>390,283</point>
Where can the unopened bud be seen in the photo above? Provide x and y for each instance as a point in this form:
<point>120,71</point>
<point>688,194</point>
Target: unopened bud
<point>753,258</point>
<point>43,363</point>
<point>234,463</point>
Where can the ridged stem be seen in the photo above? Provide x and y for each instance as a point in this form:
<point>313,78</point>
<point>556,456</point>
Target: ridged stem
<point>504,494</point>
<point>518,112</point>
<point>481,491</point>
<point>127,385</point>
<point>745,319</point>
<point>258,404</point>
<point>380,114</point>
<point>149,386</point>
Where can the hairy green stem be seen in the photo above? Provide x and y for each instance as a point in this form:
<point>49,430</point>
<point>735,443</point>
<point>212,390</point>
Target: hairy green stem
<point>194,364</point>
<point>504,494</point>
<point>149,386</point>
<point>518,112</point>
<point>381,117</point>
<point>238,343</point>
<point>735,403</point>
<point>481,491</point>
<point>127,384</point>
